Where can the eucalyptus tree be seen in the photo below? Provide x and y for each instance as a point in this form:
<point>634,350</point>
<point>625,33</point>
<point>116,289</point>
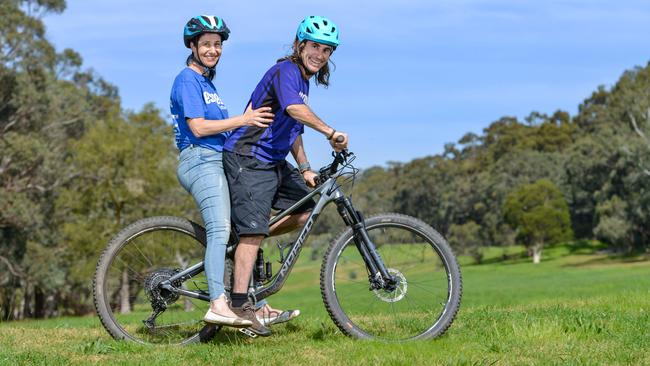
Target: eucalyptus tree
<point>540,215</point>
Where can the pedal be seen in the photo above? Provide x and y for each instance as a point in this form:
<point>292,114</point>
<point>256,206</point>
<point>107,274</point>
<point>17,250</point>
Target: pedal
<point>248,332</point>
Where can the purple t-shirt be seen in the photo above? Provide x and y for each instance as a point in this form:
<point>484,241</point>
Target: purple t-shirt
<point>281,86</point>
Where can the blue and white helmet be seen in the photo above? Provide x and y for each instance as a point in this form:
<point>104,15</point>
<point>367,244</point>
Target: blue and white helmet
<point>204,24</point>
<point>318,29</point>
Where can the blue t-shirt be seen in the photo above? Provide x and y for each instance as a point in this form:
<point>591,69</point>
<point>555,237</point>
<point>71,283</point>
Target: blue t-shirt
<point>281,86</point>
<point>194,96</point>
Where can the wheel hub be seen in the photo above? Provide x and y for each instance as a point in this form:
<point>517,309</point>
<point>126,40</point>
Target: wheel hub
<point>400,290</point>
<point>160,298</point>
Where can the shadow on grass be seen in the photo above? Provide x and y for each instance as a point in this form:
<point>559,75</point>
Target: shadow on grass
<point>612,259</point>
<point>578,248</point>
<point>99,346</point>
<point>508,258</point>
<point>505,258</point>
<point>213,335</point>
<point>324,332</point>
<point>585,247</point>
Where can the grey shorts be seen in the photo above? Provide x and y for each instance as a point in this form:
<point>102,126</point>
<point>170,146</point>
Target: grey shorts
<point>257,187</point>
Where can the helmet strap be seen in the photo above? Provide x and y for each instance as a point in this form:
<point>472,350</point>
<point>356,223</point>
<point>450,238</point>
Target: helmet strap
<point>207,71</point>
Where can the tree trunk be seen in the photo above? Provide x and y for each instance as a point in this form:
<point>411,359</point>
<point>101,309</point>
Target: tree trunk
<point>19,309</point>
<point>6,304</point>
<point>27,308</point>
<point>537,252</point>
<point>50,305</point>
<point>39,303</point>
<point>125,306</point>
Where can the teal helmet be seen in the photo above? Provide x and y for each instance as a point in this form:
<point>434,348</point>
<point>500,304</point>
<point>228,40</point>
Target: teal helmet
<point>318,29</point>
<point>204,24</point>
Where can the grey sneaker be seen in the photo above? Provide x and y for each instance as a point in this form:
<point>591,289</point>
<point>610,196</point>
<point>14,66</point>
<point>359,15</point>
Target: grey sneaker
<point>247,311</point>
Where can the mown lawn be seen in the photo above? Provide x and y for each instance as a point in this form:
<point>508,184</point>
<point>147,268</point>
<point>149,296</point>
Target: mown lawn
<point>574,308</point>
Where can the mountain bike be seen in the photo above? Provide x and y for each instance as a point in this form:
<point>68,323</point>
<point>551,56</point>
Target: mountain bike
<point>389,277</point>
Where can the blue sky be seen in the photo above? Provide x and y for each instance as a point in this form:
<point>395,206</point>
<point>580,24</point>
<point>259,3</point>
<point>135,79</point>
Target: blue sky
<point>410,75</point>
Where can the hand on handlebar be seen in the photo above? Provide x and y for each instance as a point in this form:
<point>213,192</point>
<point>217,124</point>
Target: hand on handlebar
<point>339,141</point>
<point>310,178</point>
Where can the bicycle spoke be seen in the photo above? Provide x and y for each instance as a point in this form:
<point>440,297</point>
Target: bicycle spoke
<point>413,307</point>
<point>137,268</point>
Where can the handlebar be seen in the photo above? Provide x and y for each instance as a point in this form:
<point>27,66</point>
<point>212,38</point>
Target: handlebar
<point>338,157</point>
<point>329,170</point>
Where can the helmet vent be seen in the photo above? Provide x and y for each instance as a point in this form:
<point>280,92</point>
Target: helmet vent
<point>318,29</point>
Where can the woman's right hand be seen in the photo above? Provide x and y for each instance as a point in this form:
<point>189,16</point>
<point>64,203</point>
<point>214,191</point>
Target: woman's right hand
<point>260,117</point>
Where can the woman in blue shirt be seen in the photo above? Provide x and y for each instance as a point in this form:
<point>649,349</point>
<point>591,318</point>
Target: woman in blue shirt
<point>201,125</point>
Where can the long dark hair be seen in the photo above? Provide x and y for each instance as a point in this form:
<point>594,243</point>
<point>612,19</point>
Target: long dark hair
<point>322,76</point>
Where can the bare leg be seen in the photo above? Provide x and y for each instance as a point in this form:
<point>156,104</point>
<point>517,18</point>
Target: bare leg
<point>220,306</point>
<point>246,253</point>
<point>289,223</point>
<point>244,260</point>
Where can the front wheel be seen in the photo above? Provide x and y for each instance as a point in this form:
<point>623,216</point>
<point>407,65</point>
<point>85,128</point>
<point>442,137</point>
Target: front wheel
<point>429,285</point>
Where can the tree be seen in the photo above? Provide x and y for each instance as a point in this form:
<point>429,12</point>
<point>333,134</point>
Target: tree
<point>643,132</point>
<point>613,225</point>
<point>31,167</point>
<point>540,214</point>
<point>466,239</point>
<point>126,171</point>
<point>57,123</point>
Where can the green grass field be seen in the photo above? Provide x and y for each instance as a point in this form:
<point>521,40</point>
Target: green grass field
<point>575,308</point>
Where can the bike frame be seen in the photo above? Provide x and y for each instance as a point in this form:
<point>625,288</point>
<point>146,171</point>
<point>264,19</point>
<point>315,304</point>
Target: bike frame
<point>329,191</point>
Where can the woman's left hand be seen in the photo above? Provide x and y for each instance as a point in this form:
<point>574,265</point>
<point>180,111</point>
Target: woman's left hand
<point>310,178</point>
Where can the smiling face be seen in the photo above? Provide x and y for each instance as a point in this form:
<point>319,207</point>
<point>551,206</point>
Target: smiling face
<point>208,49</point>
<point>314,56</point>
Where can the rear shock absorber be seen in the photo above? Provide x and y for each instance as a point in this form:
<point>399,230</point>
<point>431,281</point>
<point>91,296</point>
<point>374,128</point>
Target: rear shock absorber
<point>262,271</point>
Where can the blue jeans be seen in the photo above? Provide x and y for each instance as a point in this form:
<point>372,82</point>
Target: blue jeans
<point>200,172</point>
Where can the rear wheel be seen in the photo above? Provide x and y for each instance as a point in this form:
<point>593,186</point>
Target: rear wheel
<point>126,283</point>
<point>427,295</point>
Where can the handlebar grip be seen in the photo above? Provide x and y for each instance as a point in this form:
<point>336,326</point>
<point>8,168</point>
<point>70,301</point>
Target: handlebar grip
<point>339,139</point>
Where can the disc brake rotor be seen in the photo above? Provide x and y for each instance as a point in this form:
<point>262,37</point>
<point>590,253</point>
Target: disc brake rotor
<point>401,288</point>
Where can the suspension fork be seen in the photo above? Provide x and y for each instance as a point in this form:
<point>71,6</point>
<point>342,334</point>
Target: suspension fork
<point>377,272</point>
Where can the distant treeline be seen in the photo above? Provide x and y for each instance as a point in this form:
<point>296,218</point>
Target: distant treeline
<point>75,168</point>
<point>547,179</point>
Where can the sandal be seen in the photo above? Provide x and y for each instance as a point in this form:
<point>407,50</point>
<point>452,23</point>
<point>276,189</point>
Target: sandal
<point>276,317</point>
